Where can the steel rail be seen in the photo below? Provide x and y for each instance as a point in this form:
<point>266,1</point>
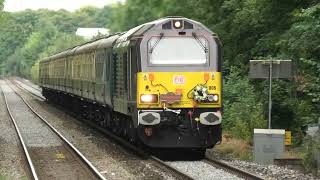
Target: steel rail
<point>232,169</point>
<point>74,149</point>
<point>24,147</point>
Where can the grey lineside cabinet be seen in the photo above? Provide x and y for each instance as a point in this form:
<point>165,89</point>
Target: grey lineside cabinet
<point>268,145</point>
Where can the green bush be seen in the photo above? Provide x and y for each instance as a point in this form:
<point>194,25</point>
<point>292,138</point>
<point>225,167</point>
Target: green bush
<point>312,153</point>
<point>243,110</point>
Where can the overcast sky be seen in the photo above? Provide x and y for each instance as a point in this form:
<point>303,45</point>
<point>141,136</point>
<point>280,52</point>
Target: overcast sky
<point>70,5</point>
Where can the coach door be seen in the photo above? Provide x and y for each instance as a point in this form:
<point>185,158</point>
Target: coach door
<point>133,64</point>
<point>121,82</point>
<point>99,76</point>
<point>108,86</point>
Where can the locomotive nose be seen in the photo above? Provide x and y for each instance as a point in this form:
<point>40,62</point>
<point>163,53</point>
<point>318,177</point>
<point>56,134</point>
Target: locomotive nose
<point>179,90</point>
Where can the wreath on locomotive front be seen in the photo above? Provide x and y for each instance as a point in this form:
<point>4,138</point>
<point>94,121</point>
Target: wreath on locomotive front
<point>200,94</point>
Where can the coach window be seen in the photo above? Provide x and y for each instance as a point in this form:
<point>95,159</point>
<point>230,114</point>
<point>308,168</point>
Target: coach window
<point>107,60</point>
<point>92,67</point>
<point>125,65</point>
<point>97,64</point>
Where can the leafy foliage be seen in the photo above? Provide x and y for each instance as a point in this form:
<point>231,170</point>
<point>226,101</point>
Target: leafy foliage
<point>243,108</point>
<point>15,31</point>
<point>302,42</point>
<point>1,6</point>
<point>29,35</point>
<point>312,152</point>
<point>36,43</point>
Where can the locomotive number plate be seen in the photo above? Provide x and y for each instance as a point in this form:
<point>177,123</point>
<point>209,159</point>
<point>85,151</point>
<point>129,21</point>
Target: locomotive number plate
<point>179,79</point>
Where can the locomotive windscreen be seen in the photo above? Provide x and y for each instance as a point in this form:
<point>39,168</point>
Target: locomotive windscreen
<point>178,50</point>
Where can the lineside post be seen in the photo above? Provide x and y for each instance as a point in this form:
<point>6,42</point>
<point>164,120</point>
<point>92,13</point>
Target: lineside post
<point>270,93</point>
<point>269,69</point>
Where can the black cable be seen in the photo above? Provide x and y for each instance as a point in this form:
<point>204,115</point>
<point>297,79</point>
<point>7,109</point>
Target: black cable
<point>159,85</point>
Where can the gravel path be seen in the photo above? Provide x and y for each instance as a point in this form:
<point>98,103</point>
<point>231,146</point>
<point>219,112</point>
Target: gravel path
<point>12,161</point>
<point>202,171</point>
<point>110,159</point>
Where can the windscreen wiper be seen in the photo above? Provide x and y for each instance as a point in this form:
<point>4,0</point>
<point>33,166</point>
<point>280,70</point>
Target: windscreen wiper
<point>199,41</point>
<point>156,43</point>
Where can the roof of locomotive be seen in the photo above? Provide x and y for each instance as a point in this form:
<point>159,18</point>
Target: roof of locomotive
<point>137,31</point>
<point>142,29</point>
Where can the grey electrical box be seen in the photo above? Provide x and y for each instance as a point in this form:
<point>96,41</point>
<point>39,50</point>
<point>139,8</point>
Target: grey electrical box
<point>268,145</point>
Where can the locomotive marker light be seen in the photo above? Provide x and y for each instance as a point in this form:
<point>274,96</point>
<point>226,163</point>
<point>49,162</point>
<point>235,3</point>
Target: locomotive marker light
<point>268,69</point>
<point>206,76</point>
<point>213,98</point>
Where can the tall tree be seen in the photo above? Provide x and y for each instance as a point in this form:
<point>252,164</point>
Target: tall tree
<point>34,46</point>
<point>1,5</point>
<point>15,31</point>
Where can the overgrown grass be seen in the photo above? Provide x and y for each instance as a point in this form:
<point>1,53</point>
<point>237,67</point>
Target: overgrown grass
<point>292,153</point>
<point>311,154</point>
<point>241,149</point>
<point>234,148</point>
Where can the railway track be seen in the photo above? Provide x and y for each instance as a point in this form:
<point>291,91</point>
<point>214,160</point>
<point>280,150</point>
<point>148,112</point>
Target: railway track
<point>117,139</point>
<point>212,162</point>
<point>24,148</point>
<point>49,154</point>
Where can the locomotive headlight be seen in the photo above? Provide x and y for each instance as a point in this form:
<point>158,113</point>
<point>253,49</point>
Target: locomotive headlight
<point>149,98</point>
<point>213,97</point>
<point>177,24</point>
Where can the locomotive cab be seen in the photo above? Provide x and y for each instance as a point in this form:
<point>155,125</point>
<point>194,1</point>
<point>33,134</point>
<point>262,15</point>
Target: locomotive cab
<point>179,86</point>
